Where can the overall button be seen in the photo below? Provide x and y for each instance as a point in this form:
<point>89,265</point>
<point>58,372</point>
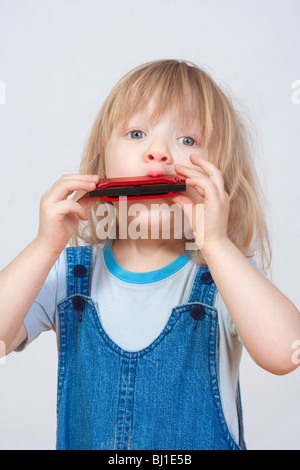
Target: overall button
<point>79,270</point>
<point>78,303</point>
<point>198,313</point>
<point>206,278</point>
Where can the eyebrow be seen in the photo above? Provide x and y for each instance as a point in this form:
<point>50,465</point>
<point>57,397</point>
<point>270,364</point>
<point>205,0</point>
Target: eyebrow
<point>137,118</point>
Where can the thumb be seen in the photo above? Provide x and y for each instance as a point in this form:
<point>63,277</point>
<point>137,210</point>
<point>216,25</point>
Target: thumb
<point>86,201</point>
<point>194,213</point>
<point>181,199</point>
<point>185,203</point>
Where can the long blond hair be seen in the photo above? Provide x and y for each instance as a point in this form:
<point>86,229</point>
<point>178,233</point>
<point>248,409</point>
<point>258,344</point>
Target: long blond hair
<point>192,90</point>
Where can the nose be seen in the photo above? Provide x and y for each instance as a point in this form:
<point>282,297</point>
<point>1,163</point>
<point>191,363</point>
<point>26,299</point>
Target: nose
<point>158,154</point>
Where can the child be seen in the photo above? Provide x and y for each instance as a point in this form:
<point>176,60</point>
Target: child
<point>150,332</point>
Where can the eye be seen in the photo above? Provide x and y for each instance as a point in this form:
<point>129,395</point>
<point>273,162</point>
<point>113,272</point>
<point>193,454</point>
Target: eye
<point>136,134</point>
<point>187,141</point>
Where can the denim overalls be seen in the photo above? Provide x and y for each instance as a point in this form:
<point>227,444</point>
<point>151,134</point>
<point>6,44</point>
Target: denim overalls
<point>165,396</point>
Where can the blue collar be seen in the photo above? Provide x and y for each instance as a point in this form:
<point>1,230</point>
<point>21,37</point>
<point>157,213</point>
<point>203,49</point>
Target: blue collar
<point>142,278</point>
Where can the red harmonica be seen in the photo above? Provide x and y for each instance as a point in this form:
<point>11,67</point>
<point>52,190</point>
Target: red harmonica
<point>138,187</point>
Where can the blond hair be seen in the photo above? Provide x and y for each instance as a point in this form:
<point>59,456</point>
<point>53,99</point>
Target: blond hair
<point>190,89</point>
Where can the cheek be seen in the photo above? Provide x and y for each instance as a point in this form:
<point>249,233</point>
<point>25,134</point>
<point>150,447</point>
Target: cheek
<point>183,157</point>
<point>115,169</point>
<point>117,163</point>
<point>109,160</point>
<point>115,158</point>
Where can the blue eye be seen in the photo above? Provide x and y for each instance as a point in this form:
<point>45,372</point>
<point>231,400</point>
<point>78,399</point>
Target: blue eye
<point>187,141</point>
<point>136,134</point>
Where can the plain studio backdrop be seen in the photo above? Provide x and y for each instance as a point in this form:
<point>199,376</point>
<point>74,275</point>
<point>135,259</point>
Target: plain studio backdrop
<point>58,61</point>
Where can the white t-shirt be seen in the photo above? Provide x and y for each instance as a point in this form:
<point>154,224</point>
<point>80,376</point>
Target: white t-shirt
<point>127,307</point>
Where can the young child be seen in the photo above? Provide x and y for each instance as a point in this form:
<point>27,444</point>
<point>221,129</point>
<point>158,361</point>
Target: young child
<point>150,333</point>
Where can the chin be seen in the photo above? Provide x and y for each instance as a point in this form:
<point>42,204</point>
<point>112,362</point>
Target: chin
<point>155,216</point>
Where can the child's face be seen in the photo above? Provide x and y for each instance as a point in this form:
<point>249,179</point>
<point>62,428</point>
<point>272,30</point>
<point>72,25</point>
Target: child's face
<point>144,148</point>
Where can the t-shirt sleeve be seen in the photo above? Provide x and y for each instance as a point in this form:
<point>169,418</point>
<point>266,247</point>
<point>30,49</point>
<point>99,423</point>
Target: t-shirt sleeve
<point>42,314</point>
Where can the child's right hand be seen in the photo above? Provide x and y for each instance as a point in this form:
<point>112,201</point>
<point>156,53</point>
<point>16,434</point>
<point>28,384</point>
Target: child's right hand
<point>59,216</point>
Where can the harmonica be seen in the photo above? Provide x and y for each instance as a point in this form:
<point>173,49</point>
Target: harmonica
<point>138,187</point>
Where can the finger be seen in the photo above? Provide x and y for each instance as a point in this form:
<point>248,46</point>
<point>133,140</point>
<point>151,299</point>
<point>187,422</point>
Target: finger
<point>70,207</point>
<point>73,176</point>
<point>187,171</point>
<point>205,188</point>
<point>195,188</point>
<point>64,187</point>
<point>197,179</point>
<point>210,169</point>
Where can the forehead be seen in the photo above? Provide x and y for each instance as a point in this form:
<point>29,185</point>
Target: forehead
<point>153,113</point>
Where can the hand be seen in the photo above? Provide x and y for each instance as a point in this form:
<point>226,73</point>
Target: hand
<point>59,216</point>
<point>209,218</point>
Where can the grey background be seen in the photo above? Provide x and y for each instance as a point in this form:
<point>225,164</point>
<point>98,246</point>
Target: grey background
<point>58,61</point>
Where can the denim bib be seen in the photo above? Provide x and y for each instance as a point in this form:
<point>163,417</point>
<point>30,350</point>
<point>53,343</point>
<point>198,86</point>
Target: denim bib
<point>165,396</point>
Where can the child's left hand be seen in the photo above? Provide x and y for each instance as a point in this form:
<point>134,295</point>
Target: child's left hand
<point>209,224</point>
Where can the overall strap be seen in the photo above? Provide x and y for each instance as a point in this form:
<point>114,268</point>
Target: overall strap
<point>79,265</point>
<point>204,289</point>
